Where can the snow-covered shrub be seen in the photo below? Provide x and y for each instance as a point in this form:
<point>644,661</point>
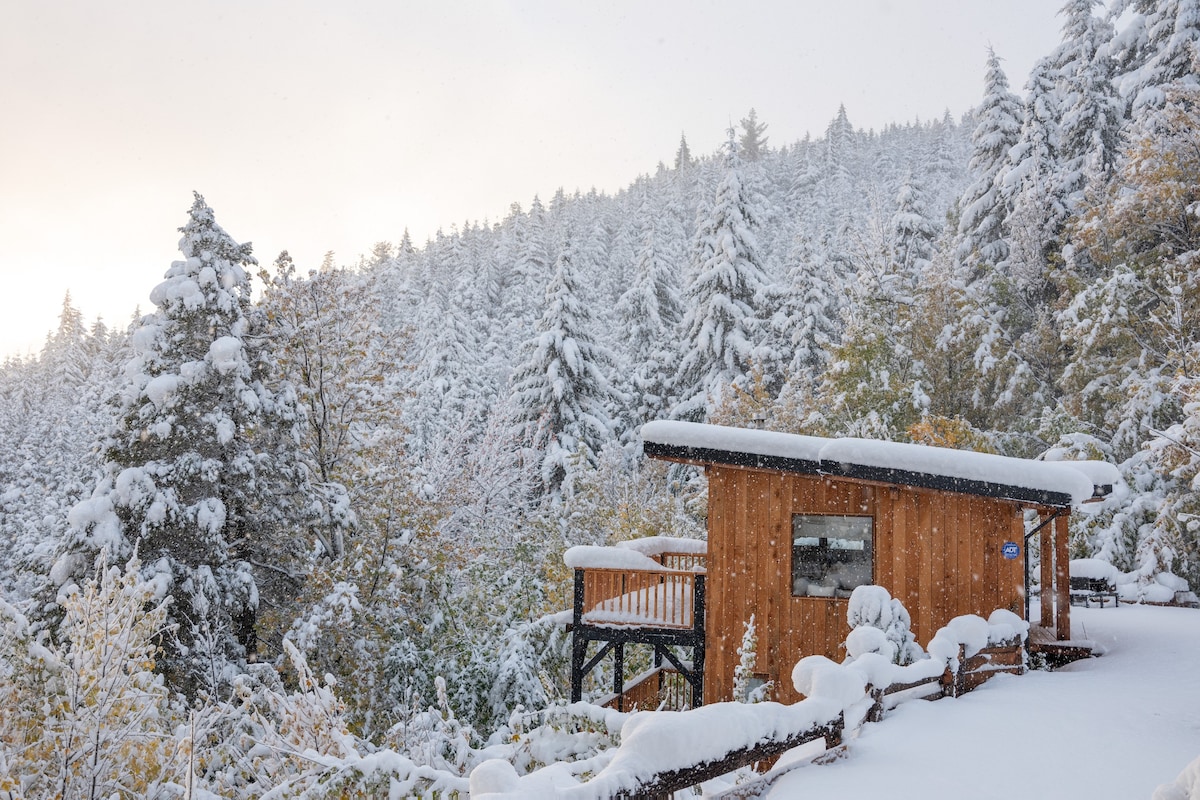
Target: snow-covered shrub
<point>1185,787</point>
<point>819,677</point>
<point>873,611</point>
<point>432,734</point>
<point>1162,587</point>
<point>88,717</point>
<point>559,734</point>
<point>744,689</point>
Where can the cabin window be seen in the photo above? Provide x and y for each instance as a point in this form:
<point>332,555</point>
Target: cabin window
<point>831,554</point>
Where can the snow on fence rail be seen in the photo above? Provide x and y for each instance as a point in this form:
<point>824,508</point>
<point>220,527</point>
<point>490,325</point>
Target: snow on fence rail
<point>666,751</point>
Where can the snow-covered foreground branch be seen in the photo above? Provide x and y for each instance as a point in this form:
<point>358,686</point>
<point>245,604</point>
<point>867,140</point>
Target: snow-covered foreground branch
<point>688,746</point>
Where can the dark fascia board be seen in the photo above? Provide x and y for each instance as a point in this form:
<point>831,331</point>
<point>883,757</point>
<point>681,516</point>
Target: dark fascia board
<point>861,472</point>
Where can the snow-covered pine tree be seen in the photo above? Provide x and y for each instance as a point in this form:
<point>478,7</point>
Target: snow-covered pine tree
<point>1173,543</point>
<point>873,607</point>
<point>683,155</point>
<point>51,443</point>
<point>1156,49</point>
<point>744,688</point>
<point>982,235</point>
<point>562,393</point>
<point>875,386</point>
<point>809,322</point>
<point>1029,186</point>
<point>913,232</point>
<point>1009,312</point>
<point>1090,112</point>
<point>445,384</point>
<point>722,318</point>
<point>648,313</point>
<point>752,143</point>
<point>202,475</point>
<point>1135,328</point>
<point>838,207</point>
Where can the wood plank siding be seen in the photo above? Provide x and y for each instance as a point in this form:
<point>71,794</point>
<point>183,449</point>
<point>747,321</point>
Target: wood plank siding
<point>939,552</point>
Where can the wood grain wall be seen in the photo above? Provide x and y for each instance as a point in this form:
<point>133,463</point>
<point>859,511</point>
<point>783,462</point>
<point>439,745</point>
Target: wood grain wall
<point>938,552</point>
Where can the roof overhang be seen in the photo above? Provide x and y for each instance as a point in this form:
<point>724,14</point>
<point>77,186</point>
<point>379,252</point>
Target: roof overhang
<point>1024,481</point>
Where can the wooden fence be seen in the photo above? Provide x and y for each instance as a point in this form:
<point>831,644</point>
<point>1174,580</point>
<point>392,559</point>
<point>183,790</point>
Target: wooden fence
<point>970,673</point>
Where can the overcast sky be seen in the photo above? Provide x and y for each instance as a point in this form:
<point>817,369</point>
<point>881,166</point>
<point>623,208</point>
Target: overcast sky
<point>314,126</point>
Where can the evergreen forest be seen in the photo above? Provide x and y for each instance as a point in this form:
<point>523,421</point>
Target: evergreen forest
<point>300,526</point>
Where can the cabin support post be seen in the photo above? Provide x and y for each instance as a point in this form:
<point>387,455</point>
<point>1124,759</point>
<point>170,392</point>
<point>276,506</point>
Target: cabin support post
<point>1062,581</point>
<point>1045,521</point>
<point>578,643</point>
<point>619,674</point>
<point>1047,573</point>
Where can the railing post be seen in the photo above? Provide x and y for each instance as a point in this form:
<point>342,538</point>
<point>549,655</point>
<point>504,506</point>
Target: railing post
<point>698,642</point>
<point>577,614</point>
<point>619,674</point>
<point>578,641</point>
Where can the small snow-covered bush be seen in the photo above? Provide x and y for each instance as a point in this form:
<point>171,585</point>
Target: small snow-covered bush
<point>1185,787</point>
<point>873,607</point>
<point>744,688</point>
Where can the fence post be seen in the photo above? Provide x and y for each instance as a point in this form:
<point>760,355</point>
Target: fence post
<point>960,679</point>
<point>875,714</point>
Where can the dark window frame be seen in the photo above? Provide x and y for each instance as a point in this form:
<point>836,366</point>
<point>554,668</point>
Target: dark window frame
<point>830,566</point>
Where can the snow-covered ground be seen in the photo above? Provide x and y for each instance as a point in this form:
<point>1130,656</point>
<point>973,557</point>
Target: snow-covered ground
<point>1109,728</point>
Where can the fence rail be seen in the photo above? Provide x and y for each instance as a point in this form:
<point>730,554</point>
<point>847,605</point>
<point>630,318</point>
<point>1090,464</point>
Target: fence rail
<point>968,674</point>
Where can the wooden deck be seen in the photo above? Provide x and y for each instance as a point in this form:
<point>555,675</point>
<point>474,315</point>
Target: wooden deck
<point>1058,652</point>
<point>662,609</point>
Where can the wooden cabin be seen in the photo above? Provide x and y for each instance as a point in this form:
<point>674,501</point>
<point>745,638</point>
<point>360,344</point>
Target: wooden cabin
<point>795,523</point>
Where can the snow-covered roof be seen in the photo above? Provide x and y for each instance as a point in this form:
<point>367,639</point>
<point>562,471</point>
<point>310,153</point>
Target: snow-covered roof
<point>1057,483</point>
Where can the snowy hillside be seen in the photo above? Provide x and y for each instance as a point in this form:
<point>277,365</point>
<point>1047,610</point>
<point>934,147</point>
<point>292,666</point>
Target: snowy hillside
<point>342,492</point>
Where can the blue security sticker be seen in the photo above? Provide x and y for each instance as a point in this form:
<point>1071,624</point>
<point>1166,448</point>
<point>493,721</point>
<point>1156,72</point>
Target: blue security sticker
<point>1010,550</point>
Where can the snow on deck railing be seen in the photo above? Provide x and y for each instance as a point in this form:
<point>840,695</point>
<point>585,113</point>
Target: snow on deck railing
<point>626,585</point>
<point>660,750</point>
<point>593,557</point>
<point>657,545</point>
<point>652,554</point>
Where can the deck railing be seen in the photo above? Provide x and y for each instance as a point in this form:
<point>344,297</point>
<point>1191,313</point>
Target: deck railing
<point>692,562</point>
<point>639,598</point>
<point>650,600</point>
<point>659,688</point>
